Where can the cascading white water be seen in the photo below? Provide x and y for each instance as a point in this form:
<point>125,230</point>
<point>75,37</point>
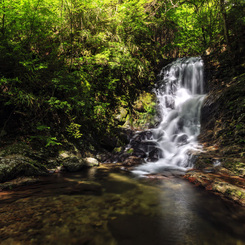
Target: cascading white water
<point>180,94</point>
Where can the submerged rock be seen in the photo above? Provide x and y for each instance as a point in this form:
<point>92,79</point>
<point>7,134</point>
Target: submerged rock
<point>20,181</point>
<point>84,188</point>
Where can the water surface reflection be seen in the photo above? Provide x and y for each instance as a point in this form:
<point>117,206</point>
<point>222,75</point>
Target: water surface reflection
<point>113,207</point>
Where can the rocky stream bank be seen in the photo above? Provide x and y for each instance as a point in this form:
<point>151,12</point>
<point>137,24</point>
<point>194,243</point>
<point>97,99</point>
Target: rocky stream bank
<point>219,167</point>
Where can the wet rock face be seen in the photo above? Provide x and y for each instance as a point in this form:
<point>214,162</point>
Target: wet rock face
<point>139,153</point>
<point>170,103</point>
<point>139,141</point>
<point>155,154</point>
<point>182,140</point>
<point>146,149</point>
<point>140,150</point>
<point>144,146</point>
<point>138,145</point>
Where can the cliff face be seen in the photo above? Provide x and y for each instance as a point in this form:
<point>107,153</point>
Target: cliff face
<point>221,165</point>
<point>223,115</point>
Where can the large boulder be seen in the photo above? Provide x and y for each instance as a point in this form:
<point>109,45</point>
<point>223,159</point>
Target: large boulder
<point>91,162</point>
<point>73,164</point>
<point>155,154</point>
<point>14,166</point>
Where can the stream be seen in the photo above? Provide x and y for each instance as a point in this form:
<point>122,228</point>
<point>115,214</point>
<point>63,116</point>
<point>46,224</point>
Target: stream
<point>111,206</point>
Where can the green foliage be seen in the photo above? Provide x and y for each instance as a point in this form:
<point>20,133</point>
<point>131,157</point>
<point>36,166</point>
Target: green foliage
<point>48,141</point>
<point>71,64</point>
<point>42,127</point>
<point>52,141</point>
<point>43,135</point>
<point>73,130</point>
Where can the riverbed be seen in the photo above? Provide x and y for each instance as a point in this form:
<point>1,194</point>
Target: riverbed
<point>112,206</point>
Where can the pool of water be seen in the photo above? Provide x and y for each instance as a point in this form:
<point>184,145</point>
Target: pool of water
<point>104,206</point>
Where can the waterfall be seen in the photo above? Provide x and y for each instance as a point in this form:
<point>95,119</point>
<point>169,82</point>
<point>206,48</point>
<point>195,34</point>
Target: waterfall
<point>180,93</point>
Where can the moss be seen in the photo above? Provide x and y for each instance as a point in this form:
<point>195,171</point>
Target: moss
<point>239,193</point>
<point>117,149</point>
<point>144,111</point>
<point>19,165</point>
<point>17,148</point>
<point>144,101</point>
<point>235,165</point>
<point>130,151</point>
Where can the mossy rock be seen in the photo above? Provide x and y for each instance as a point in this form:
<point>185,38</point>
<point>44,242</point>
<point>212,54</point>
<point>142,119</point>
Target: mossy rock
<point>17,148</point>
<point>73,164</point>
<point>14,166</point>
<point>144,101</point>
<point>141,115</point>
<point>236,165</point>
<point>144,111</point>
<point>42,155</point>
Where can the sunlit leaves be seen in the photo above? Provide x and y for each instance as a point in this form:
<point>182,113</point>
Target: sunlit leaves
<point>59,104</point>
<point>78,60</point>
<point>74,130</point>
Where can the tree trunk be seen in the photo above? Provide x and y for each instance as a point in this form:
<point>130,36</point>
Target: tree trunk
<point>225,28</point>
<point>3,19</point>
